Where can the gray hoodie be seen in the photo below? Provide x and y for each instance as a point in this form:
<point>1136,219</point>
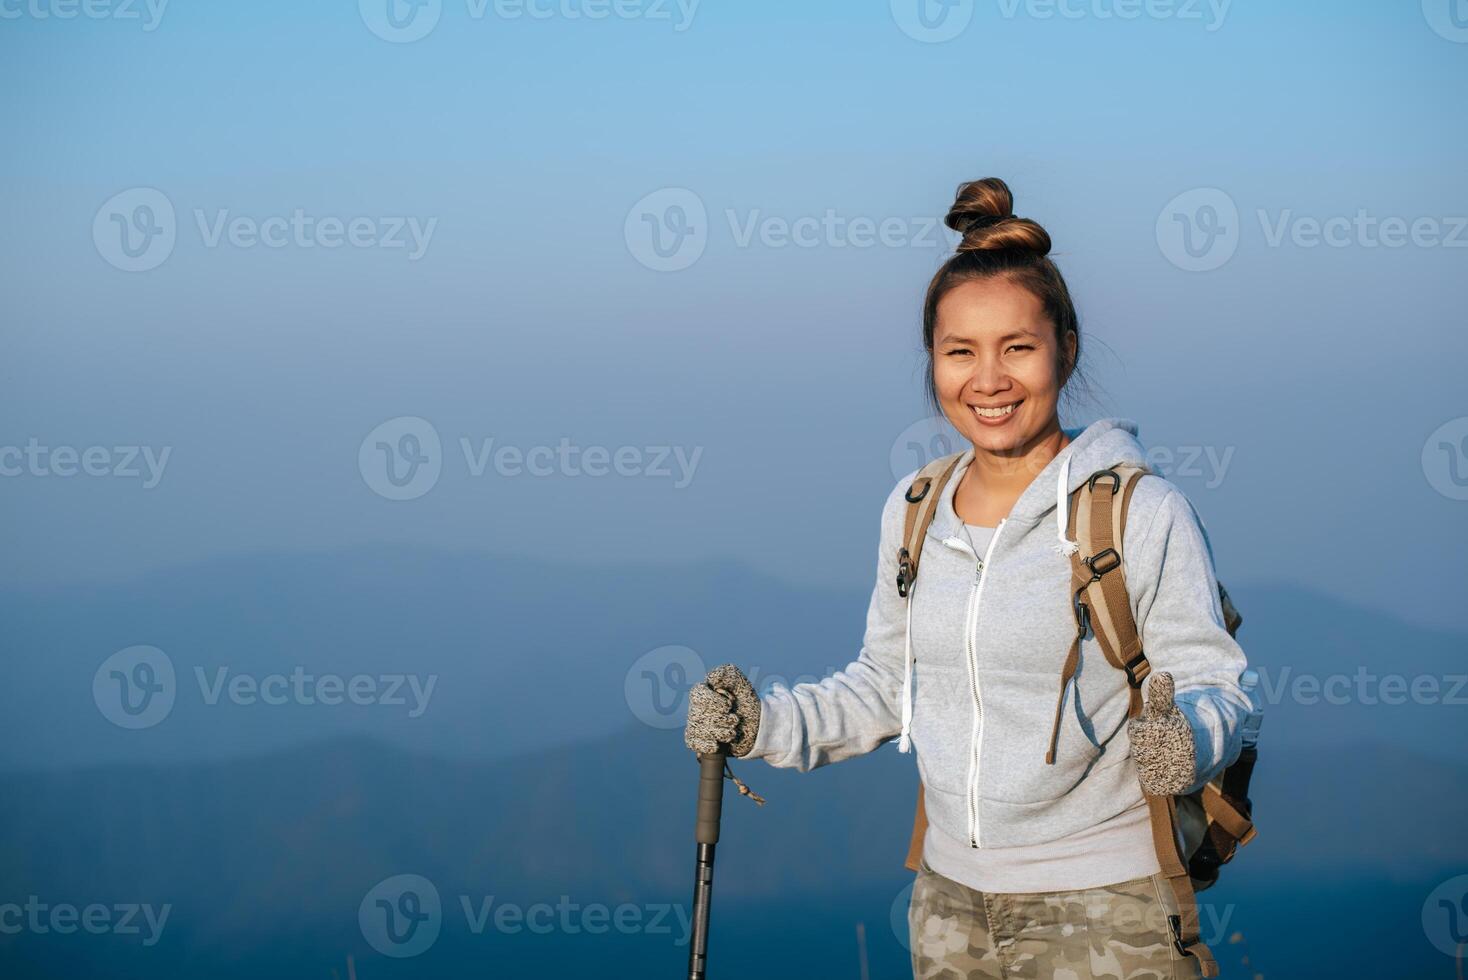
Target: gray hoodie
<point>988,638</point>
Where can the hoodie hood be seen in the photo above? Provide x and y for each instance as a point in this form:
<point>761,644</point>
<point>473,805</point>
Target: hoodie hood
<point>1103,443</point>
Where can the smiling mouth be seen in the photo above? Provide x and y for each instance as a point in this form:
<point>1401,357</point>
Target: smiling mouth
<point>995,413</point>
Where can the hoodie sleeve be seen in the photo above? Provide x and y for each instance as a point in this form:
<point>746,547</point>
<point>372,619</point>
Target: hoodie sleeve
<point>859,707</point>
<point>1180,619</point>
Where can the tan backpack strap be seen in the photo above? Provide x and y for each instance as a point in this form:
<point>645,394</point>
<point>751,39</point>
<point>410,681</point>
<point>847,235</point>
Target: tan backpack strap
<point>1072,661</point>
<point>1231,618</point>
<point>1100,535</point>
<point>922,503</point>
<point>1101,599</point>
<point>919,831</point>
<point>1098,599</point>
<point>1185,938</point>
<point>1226,816</point>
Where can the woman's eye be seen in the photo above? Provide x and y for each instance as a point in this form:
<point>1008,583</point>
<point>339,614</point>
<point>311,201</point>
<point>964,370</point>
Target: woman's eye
<point>1021,347</point>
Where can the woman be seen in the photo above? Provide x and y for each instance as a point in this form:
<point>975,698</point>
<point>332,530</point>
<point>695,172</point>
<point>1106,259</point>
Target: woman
<point>1029,868</point>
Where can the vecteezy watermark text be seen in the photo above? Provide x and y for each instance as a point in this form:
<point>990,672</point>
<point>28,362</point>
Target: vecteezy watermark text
<point>668,230</point>
<point>63,919</point>
<point>136,230</point>
<point>136,688</point>
<point>656,684</point>
<point>1200,229</point>
<point>1126,916</point>
<point>1362,687</point>
<point>403,458</point>
<point>405,21</point>
<point>402,916</point>
<point>935,21</point>
<point>932,438</point>
<point>300,687</point>
<point>145,463</point>
<point>568,459</point>
<point>302,230</point>
<point>148,13</point>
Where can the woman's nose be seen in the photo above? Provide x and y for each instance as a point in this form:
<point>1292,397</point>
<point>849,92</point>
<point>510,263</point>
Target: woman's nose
<point>989,378</point>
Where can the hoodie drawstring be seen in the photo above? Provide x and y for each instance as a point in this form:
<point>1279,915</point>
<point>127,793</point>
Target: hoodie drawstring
<point>904,743</point>
<point>1063,545</point>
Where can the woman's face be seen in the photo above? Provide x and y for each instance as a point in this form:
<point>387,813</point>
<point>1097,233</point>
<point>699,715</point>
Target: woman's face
<point>996,364</point>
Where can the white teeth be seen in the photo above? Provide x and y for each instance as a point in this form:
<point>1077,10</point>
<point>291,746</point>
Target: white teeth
<point>993,413</point>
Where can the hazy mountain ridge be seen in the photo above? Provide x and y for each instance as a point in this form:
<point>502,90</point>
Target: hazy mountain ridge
<point>609,819</point>
<point>265,859</point>
<point>529,653</point>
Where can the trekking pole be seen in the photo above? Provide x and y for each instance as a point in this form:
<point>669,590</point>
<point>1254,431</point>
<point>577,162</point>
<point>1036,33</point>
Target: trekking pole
<point>706,833</point>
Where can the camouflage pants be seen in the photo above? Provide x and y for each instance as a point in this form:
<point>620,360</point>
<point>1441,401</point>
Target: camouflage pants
<point>1115,932</point>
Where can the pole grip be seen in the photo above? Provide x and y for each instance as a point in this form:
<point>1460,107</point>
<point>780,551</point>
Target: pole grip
<point>710,797</point>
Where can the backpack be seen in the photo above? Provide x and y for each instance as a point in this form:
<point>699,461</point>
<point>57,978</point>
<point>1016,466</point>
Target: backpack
<point>1195,834</point>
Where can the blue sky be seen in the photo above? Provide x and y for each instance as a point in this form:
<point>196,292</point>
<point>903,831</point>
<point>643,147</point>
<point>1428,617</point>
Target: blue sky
<point>1315,374</point>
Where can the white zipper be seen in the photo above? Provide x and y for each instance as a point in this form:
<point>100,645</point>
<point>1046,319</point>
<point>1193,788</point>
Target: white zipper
<point>970,627</point>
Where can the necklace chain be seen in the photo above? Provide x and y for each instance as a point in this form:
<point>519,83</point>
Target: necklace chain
<point>972,547</point>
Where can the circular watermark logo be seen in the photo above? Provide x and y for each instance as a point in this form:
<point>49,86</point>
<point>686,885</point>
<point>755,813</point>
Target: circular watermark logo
<point>933,917</point>
<point>1199,229</point>
<point>1445,459</point>
<point>402,458</point>
<point>401,916</point>
<point>898,916</point>
<point>667,230</point>
<point>1445,916</point>
<point>932,21</point>
<point>135,230</point>
<point>922,442</point>
<point>135,687</point>
<point>657,683</point>
<point>1447,18</point>
<point>400,21</point>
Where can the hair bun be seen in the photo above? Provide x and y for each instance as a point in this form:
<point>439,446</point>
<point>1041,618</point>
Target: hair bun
<point>983,213</point>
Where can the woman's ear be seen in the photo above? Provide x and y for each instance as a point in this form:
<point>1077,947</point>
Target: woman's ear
<point>1067,356</point>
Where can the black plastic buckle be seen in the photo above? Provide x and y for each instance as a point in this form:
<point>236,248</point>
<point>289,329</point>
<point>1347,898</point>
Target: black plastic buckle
<point>1175,926</point>
<point>927,483</point>
<point>1115,480</point>
<point>1083,614</point>
<point>905,571</point>
<point>1113,561</point>
<point>1131,670</point>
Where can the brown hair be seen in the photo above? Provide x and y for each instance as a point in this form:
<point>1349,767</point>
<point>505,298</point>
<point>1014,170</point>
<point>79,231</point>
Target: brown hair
<point>998,244</point>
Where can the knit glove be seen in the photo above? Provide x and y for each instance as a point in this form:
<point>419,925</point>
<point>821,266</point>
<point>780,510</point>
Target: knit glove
<point>1162,742</point>
<point>722,709</point>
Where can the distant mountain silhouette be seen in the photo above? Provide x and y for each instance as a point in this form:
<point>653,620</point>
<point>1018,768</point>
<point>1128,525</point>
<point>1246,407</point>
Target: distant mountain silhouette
<point>266,860</point>
<point>529,776</point>
<point>302,835</point>
<point>530,654</point>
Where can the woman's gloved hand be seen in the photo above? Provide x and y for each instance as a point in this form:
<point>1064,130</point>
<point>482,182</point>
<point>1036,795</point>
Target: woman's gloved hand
<point>722,709</point>
<point>1162,742</point>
